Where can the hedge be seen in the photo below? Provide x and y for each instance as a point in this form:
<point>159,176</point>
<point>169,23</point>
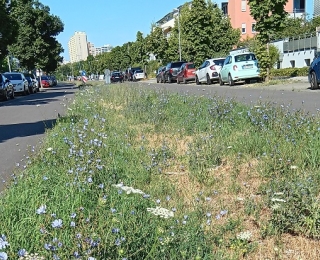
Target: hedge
<point>289,72</point>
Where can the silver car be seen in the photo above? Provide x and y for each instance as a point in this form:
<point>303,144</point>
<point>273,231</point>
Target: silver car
<point>19,82</point>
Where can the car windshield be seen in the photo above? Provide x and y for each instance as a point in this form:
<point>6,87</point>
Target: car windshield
<point>177,64</point>
<point>13,76</point>
<point>116,74</point>
<point>139,71</point>
<point>245,57</point>
<point>219,62</point>
<point>191,66</point>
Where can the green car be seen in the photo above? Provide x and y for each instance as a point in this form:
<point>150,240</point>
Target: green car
<point>239,67</point>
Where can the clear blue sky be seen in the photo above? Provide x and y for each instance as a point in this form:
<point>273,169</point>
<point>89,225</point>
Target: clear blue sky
<point>112,22</point>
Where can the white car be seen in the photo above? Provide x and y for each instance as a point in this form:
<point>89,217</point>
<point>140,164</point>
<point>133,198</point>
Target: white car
<point>19,82</point>
<point>209,71</point>
<point>138,75</point>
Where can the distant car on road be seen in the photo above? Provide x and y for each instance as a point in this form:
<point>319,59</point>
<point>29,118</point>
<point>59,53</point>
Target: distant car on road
<point>186,73</point>
<point>33,86</point>
<point>239,67</point>
<point>209,70</point>
<point>19,82</point>
<point>314,73</point>
<point>159,75</point>
<point>116,76</point>
<point>171,71</point>
<point>45,82</point>
<point>138,75</point>
<point>6,88</point>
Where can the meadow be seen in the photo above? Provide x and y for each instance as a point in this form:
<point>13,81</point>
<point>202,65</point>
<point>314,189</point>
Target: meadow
<point>131,173</point>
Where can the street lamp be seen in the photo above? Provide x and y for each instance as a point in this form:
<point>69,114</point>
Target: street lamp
<point>178,10</point>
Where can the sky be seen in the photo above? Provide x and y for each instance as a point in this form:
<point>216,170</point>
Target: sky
<point>112,22</point>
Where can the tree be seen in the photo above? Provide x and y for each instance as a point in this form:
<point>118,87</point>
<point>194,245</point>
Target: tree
<point>8,29</point>
<point>157,43</point>
<point>36,45</point>
<point>205,33</point>
<point>270,16</point>
<point>139,53</point>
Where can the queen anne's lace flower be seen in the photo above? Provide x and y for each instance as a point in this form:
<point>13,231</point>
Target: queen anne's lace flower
<point>128,189</point>
<point>161,212</point>
<point>246,235</point>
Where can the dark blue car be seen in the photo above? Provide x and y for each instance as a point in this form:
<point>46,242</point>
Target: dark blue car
<point>314,73</point>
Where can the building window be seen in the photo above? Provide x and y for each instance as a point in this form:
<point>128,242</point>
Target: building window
<point>243,5</point>
<point>293,63</point>
<point>307,62</point>
<point>243,28</point>
<point>253,27</point>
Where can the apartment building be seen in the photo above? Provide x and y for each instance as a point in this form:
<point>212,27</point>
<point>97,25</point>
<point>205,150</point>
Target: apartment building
<point>240,17</point>
<point>78,47</point>
<point>316,7</point>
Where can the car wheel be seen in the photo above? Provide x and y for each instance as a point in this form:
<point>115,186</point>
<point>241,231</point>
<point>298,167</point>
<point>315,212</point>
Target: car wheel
<point>231,81</point>
<point>221,83</point>
<point>169,79</point>
<point>208,80</point>
<point>197,80</point>
<point>313,80</point>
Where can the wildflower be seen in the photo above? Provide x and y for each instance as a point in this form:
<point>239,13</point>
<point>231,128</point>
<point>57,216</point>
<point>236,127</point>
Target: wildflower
<point>127,189</point>
<point>22,252</point>
<point>3,256</point>
<point>208,214</point>
<point>57,223</point>
<point>277,200</point>
<point>49,149</point>
<point>158,201</point>
<point>146,196</point>
<point>293,167</point>
<point>117,242</point>
<point>162,212</point>
<point>42,209</point>
<point>168,198</point>
<point>72,224</point>
<point>45,178</point>
<point>113,210</point>
<point>89,180</point>
<point>101,186</point>
<point>223,212</point>
<point>184,222</point>
<point>91,258</point>
<point>218,216</point>
<point>73,215</point>
<point>208,198</point>
<point>3,242</point>
<point>278,193</point>
<point>115,230</point>
<point>246,235</point>
<point>76,254</point>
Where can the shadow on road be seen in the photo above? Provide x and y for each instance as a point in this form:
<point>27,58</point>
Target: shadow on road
<point>24,129</point>
<point>41,98</point>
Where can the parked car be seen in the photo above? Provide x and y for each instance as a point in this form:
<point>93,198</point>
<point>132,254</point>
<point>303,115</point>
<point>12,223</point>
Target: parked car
<point>33,86</point>
<point>159,75</point>
<point>45,81</point>
<point>314,73</point>
<point>116,76</point>
<point>138,75</point>
<point>171,71</point>
<point>239,67</point>
<point>186,73</point>
<point>129,73</point>
<point>54,80</point>
<point>19,82</point>
<point>6,88</point>
<point>209,70</point>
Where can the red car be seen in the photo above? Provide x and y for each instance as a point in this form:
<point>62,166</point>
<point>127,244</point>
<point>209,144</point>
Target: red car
<point>45,82</point>
<point>186,73</point>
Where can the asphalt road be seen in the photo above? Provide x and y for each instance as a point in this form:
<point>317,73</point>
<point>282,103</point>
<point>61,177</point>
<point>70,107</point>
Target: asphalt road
<point>296,95</point>
<point>23,122</point>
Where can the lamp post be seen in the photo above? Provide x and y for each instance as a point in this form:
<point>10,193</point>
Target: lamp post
<point>178,11</point>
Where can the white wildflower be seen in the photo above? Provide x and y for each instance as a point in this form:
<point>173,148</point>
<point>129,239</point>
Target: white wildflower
<point>293,167</point>
<point>278,193</point>
<point>277,200</point>
<point>49,149</point>
<point>276,206</point>
<point>246,235</point>
<point>229,147</point>
<point>161,212</point>
<point>128,189</point>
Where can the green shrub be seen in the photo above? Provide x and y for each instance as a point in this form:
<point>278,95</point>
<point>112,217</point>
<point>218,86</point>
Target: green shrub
<point>289,72</point>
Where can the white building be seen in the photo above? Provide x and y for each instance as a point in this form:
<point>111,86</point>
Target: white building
<point>78,47</point>
<point>316,8</point>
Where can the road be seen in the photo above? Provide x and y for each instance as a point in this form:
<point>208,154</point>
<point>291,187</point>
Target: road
<point>296,95</point>
<point>23,122</point>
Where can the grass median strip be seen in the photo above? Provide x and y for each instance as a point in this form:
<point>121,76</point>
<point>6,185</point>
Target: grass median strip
<point>141,174</point>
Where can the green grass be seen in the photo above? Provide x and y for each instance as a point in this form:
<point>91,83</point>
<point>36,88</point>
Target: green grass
<point>222,169</point>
